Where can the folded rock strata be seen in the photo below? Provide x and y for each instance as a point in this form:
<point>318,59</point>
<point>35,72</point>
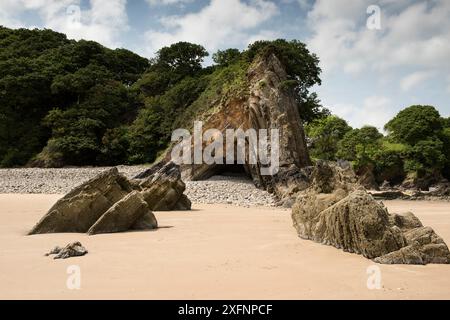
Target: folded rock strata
<point>112,203</point>
<point>336,211</point>
<point>267,104</point>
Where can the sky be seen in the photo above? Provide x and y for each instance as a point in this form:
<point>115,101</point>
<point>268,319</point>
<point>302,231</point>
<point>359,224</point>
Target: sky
<point>377,56</point>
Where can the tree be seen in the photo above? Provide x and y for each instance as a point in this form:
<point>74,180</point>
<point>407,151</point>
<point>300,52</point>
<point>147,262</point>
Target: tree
<point>426,157</point>
<point>224,58</point>
<point>359,145</point>
<point>425,134</point>
<point>324,135</point>
<point>41,70</point>
<point>151,131</point>
<point>78,133</point>
<point>183,58</point>
<point>414,124</point>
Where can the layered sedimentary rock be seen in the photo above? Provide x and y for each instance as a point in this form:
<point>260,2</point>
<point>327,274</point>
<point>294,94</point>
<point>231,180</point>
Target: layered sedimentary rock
<point>335,210</point>
<point>123,215</point>
<point>112,203</point>
<point>268,105</point>
<point>162,188</point>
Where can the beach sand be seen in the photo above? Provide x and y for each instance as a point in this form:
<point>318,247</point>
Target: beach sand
<point>212,252</point>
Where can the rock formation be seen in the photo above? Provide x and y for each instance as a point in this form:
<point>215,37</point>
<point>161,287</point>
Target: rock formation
<point>112,203</point>
<point>268,105</point>
<point>74,249</point>
<point>162,188</point>
<point>335,210</point>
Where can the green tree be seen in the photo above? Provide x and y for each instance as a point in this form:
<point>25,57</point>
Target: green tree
<point>183,58</point>
<point>324,135</point>
<point>426,157</point>
<point>360,145</point>
<point>224,58</point>
<point>41,70</point>
<point>414,123</point>
<point>423,131</point>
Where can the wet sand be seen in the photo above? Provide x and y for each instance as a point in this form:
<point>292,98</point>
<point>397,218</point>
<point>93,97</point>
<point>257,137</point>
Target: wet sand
<point>212,252</point>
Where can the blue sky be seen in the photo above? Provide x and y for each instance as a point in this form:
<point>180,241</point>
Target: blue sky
<point>369,74</point>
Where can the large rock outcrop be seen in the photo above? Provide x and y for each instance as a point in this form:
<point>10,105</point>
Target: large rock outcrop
<point>335,210</point>
<point>268,104</point>
<point>112,203</point>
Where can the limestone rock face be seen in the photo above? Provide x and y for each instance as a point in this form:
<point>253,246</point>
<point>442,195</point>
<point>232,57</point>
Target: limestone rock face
<point>267,105</point>
<point>336,211</point>
<point>112,203</point>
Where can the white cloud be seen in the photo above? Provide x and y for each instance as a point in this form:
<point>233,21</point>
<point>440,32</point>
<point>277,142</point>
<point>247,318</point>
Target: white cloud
<point>220,23</point>
<point>414,39</point>
<point>412,34</point>
<point>167,2</point>
<point>375,111</point>
<point>104,21</point>
<point>8,11</point>
<point>448,83</point>
<point>414,79</point>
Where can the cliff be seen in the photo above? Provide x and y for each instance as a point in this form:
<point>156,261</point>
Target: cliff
<point>267,103</point>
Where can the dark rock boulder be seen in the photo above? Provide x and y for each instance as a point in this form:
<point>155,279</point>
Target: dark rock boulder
<point>146,222</point>
<point>367,179</point>
<point>112,203</point>
<point>123,215</point>
<point>336,211</point>
<point>162,188</point>
<point>83,206</point>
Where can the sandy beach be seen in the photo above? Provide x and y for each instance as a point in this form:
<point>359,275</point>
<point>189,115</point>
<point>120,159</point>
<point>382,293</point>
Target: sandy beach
<point>212,252</point>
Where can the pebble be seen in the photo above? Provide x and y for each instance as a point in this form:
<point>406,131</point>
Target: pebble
<point>229,190</point>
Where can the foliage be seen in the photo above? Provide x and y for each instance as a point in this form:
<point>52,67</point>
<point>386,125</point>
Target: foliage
<point>414,124</point>
<point>182,58</point>
<point>423,131</point>
<point>224,58</point>
<point>84,83</point>
<point>150,132</point>
<point>360,146</point>
<point>324,135</point>
<point>426,157</point>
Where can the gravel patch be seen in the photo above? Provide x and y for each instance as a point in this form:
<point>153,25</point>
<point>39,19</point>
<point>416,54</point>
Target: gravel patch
<point>53,181</point>
<point>232,190</point>
<point>228,190</point>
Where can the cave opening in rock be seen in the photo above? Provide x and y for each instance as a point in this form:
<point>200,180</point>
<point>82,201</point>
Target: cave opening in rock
<point>231,170</point>
<point>223,170</point>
